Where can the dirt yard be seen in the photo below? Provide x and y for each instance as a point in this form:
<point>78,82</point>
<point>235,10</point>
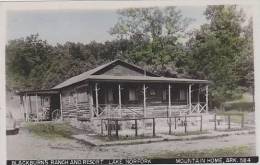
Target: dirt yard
<point>27,146</point>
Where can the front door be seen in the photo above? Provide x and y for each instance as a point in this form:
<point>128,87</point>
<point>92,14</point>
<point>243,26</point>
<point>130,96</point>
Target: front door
<point>54,106</point>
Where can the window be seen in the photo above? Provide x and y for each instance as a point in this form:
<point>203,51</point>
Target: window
<point>72,98</point>
<point>110,95</point>
<point>46,101</point>
<point>132,96</point>
<point>182,94</point>
<point>164,96</point>
<point>82,96</point>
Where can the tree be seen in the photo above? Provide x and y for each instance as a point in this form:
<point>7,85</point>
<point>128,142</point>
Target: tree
<point>245,63</point>
<point>216,50</point>
<point>154,34</point>
<point>25,61</point>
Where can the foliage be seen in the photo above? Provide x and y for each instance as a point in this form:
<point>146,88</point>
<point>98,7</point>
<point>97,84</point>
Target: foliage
<point>241,106</point>
<point>33,64</point>
<point>50,130</point>
<point>191,133</point>
<point>232,113</point>
<point>154,38</point>
<point>155,34</point>
<point>22,56</point>
<point>220,50</point>
<point>219,152</point>
<point>124,137</point>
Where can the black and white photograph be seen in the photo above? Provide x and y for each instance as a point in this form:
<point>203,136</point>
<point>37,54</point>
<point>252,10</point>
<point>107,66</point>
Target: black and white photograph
<point>132,82</point>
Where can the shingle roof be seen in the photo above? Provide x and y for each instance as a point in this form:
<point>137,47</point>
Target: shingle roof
<point>85,75</point>
<point>39,92</point>
<point>81,76</point>
<point>144,79</point>
<point>89,75</point>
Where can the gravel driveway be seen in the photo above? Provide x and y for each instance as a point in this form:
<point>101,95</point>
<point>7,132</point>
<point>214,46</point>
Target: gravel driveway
<point>26,146</point>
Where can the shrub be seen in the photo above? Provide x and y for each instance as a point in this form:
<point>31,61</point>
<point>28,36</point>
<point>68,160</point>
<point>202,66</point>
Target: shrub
<point>241,106</point>
<point>50,130</point>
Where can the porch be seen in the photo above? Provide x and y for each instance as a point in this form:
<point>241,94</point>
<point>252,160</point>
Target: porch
<point>117,90</point>
<point>40,105</point>
<point>139,100</point>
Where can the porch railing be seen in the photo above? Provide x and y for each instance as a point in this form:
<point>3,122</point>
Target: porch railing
<point>132,111</point>
<point>107,110</point>
<point>114,111</point>
<point>198,107</point>
<point>176,110</point>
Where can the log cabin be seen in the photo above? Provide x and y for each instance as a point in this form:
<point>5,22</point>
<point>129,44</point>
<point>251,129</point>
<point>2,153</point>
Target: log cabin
<point>116,90</point>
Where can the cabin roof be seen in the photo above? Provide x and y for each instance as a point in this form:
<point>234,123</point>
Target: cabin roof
<point>97,75</point>
<point>39,92</point>
<point>99,69</point>
<point>81,76</point>
<point>94,74</point>
<point>109,78</point>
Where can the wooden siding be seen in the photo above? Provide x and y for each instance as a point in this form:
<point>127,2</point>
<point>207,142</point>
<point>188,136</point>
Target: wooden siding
<point>120,70</point>
<point>157,102</point>
<point>73,106</point>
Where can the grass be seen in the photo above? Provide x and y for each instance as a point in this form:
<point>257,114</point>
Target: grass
<point>221,152</point>
<point>233,112</point>
<point>239,105</point>
<point>231,129</point>
<point>126,137</point>
<point>50,130</point>
<point>235,116</point>
<point>190,133</point>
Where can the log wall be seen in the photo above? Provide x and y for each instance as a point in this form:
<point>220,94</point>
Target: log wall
<point>75,103</point>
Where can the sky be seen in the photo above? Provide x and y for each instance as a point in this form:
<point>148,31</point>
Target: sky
<point>60,26</point>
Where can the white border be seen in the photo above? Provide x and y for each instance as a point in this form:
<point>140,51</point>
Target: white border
<point>107,5</point>
<point>256,33</point>
<point>101,5</point>
<point>2,86</point>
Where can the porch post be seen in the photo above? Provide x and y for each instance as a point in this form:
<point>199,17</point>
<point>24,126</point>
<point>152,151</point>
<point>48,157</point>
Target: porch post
<point>30,103</point>
<point>23,106</point>
<point>91,100</point>
<point>190,96</point>
<point>207,98</point>
<point>77,105</point>
<point>96,90</point>
<point>169,99</point>
<point>37,111</point>
<point>198,99</point>
<point>144,90</point>
<point>61,110</point>
<point>26,107</point>
<point>119,96</point>
<point>187,96</point>
<point>199,94</point>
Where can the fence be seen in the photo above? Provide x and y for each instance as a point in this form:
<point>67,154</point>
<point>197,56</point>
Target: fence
<point>228,121</point>
<point>113,124</point>
<point>151,126</point>
<point>176,125</point>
